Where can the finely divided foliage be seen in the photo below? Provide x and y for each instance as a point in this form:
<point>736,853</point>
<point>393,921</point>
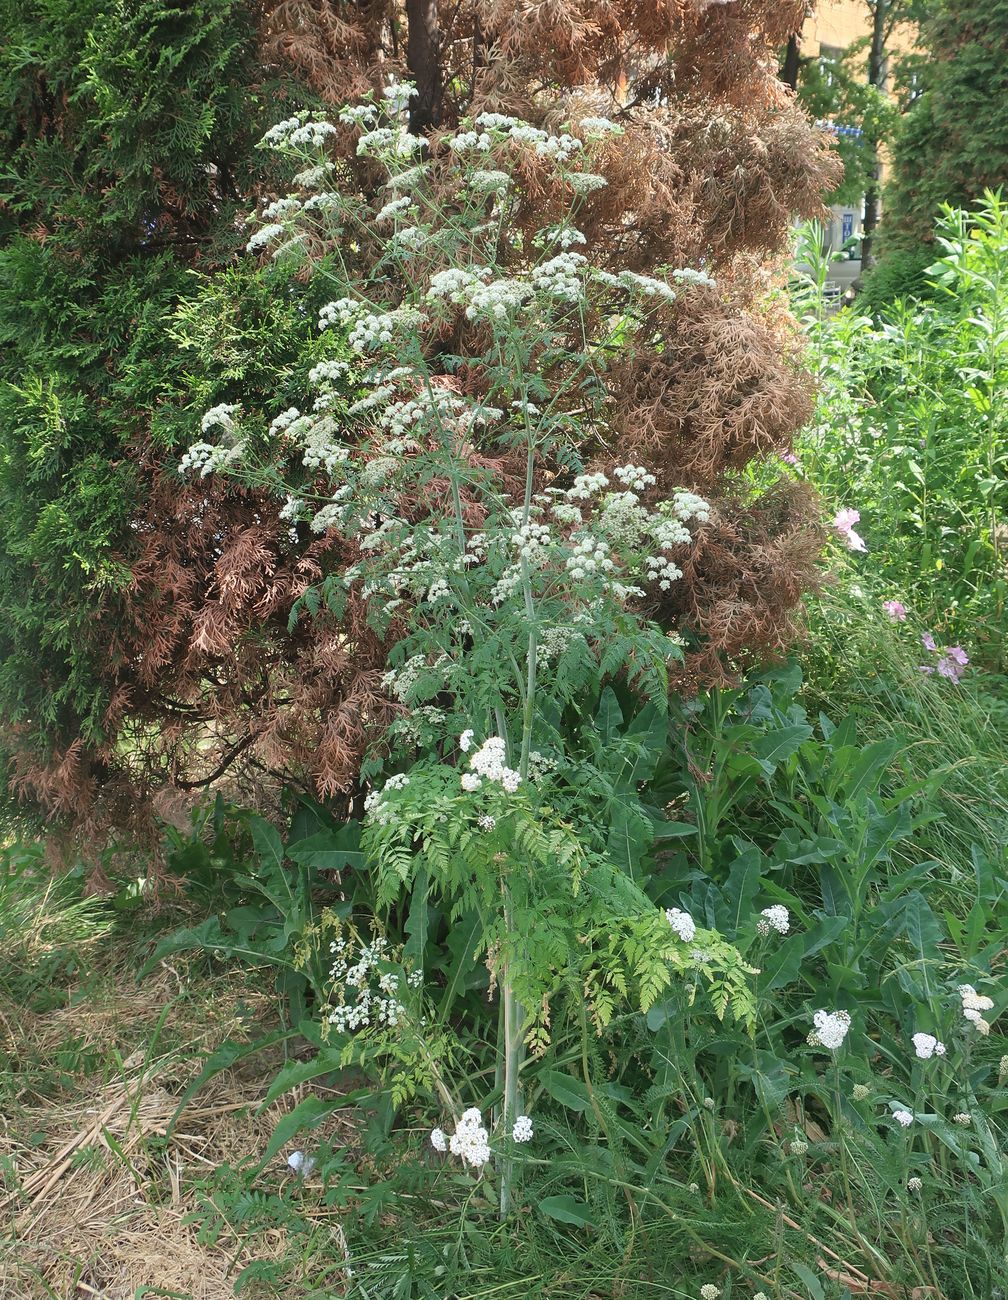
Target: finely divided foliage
<point>509,578</point>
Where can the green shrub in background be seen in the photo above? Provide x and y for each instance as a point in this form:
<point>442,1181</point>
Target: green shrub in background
<point>911,430</point>
<point>952,144</point>
<point>901,274</point>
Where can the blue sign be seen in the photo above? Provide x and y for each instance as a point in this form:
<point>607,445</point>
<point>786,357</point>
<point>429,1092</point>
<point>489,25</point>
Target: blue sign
<point>847,226</point>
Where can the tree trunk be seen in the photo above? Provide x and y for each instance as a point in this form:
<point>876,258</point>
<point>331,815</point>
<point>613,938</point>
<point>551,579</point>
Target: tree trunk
<point>789,69</point>
<point>876,77</point>
<point>423,58</point>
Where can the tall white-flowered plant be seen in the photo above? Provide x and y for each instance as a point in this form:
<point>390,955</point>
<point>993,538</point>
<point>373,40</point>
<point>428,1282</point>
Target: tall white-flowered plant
<point>442,441</point>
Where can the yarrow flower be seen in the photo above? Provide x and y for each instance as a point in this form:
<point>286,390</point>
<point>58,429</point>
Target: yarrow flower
<point>709,1291</point>
<point>926,1046</point>
<point>776,918</point>
<point>903,1117</point>
<point>830,1029</point>
<point>964,1119</point>
<point>438,1140</point>
<point>896,610</point>
<point>972,1005</point>
<point>914,1184</point>
<point>470,1140</point>
<point>843,523</point>
<point>682,923</point>
<point>522,1131</point>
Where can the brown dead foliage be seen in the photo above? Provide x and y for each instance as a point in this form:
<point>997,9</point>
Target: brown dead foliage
<point>207,687</point>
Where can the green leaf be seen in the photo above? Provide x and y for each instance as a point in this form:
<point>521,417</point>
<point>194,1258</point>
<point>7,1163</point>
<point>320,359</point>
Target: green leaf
<point>781,744</point>
<point>294,1073</point>
<point>329,850</point>
<point>609,717</point>
<point>565,1209</point>
<point>268,843</point>
<point>307,1114</point>
<point>417,923</point>
<point>565,1089</point>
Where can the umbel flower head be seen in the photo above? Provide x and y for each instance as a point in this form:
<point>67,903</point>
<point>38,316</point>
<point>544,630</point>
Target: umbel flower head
<point>682,923</point>
<point>776,918</point>
<point>830,1029</point>
<point>973,1003</point>
<point>522,1131</point>
<point>926,1046</point>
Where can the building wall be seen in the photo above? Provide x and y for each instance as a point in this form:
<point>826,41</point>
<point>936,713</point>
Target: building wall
<point>838,23</point>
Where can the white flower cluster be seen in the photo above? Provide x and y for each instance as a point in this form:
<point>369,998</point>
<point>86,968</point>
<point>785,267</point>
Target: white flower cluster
<point>709,1291</point>
<point>487,764</point>
<point>553,641</point>
<point>470,1140</point>
<point>327,373</point>
<point>635,477</point>
<point>314,175</point>
<point>964,1119</point>
<point>368,996</point>
<point>278,135</point>
<point>830,1029</point>
<point>209,459</point>
<point>564,235</point>
<point>591,556</point>
<point>488,180</point>
<point>560,277</point>
<point>311,135</point>
<point>466,141</point>
<point>496,300</point>
<point>585,486</point>
<point>926,1046</point>
<point>973,1003</point>
<point>377,808</point>
<point>394,208</point>
<point>531,541</point>
<point>599,126</point>
<point>584,183</point>
<point>397,143</point>
<point>369,330</point>
<point>219,417</point>
<point>776,918</point>
<point>682,923</point>
<point>281,208</point>
<point>263,236</point>
<point>522,1130</point>
<point>903,1117</point>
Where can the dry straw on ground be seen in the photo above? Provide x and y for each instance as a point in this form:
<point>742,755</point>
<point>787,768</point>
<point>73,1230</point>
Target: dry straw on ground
<point>97,1188</point>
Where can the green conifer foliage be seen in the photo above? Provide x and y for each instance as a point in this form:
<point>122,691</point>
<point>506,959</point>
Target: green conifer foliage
<point>125,143</point>
<point>953,143</point>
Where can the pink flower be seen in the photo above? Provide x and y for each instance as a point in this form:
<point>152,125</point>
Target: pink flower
<point>952,663</point>
<point>895,609</point>
<point>844,524</point>
<point>789,458</point>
